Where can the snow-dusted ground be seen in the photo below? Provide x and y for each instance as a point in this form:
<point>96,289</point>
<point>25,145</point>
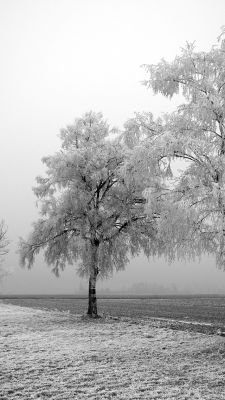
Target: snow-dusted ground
<point>57,355</point>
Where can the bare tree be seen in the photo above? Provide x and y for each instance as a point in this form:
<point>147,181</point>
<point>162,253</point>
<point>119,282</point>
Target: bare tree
<point>3,248</point>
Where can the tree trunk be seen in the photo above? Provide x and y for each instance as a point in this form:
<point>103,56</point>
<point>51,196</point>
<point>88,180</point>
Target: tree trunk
<point>92,299</point>
<point>221,202</point>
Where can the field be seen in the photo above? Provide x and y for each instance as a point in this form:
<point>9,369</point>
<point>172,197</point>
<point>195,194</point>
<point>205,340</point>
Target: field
<point>207,311</point>
<point>63,355</point>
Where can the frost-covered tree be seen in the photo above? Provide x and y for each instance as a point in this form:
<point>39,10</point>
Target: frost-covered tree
<point>194,133</point>
<point>92,210</point>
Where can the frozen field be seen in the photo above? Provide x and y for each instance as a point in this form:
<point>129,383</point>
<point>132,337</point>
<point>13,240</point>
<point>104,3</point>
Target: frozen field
<point>62,356</point>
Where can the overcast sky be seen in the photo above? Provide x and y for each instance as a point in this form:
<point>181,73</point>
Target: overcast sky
<point>61,58</point>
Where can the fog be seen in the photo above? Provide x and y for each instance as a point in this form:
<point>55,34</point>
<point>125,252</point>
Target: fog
<point>60,59</point>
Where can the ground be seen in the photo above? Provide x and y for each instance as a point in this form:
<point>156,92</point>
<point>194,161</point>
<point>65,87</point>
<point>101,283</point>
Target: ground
<point>60,356</point>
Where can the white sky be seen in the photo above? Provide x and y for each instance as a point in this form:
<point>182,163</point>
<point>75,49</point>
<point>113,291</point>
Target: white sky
<point>61,58</point>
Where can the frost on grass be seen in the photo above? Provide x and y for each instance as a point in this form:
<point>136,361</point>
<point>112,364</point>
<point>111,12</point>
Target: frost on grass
<point>59,356</point>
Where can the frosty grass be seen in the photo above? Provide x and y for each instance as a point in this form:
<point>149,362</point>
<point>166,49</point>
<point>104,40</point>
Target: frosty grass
<point>58,355</point>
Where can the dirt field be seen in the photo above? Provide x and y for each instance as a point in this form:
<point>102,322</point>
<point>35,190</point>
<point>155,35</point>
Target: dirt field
<point>61,356</point>
<point>209,309</point>
<point>203,314</point>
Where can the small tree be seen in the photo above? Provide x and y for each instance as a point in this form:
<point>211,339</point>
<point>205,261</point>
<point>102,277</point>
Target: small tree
<point>195,133</point>
<point>92,210</point>
<point>3,248</point>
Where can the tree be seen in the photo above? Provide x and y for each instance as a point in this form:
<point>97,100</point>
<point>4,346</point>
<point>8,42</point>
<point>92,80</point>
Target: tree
<point>92,210</point>
<point>194,133</point>
<point>3,247</point>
